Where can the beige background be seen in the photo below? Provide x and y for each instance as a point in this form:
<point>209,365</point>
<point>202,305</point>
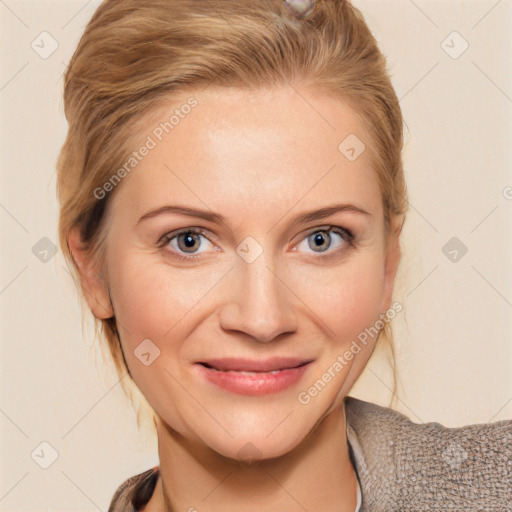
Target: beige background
<point>453,341</point>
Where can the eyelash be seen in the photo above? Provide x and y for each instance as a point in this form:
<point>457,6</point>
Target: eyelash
<point>345,234</point>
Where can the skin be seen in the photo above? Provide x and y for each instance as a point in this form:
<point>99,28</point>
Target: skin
<point>260,159</point>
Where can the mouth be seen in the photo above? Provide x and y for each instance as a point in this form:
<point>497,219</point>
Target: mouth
<point>253,377</point>
<point>254,366</point>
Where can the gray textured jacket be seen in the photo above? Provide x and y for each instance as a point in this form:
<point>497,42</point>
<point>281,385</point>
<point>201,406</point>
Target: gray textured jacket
<point>404,466</point>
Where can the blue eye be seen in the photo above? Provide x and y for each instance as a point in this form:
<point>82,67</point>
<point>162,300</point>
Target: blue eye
<point>189,243</point>
<point>322,239</point>
<point>186,241</point>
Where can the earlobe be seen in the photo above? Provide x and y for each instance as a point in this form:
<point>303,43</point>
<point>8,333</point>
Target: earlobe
<point>94,287</point>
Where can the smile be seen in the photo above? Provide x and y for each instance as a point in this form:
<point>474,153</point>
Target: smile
<point>249,377</point>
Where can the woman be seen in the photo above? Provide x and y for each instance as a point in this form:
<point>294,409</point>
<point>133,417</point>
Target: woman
<point>232,197</point>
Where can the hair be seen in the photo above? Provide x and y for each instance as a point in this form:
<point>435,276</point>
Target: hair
<point>134,55</point>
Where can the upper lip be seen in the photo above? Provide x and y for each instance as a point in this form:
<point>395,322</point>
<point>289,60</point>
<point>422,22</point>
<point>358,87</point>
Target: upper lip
<point>250,365</point>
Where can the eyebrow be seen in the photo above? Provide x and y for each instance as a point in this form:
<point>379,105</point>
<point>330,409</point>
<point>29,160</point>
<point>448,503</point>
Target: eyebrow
<point>219,219</point>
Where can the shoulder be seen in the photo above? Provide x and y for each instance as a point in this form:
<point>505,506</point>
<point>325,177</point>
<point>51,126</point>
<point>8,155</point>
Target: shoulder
<point>427,464</point>
<point>134,492</point>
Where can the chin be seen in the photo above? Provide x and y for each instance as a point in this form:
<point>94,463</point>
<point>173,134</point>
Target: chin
<point>254,449</point>
<point>256,437</point>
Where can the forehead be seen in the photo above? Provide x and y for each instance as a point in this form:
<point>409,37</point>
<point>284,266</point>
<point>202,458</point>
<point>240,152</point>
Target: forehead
<point>250,148</point>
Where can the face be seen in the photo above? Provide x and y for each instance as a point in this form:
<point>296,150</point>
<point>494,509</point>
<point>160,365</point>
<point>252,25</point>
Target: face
<point>241,301</point>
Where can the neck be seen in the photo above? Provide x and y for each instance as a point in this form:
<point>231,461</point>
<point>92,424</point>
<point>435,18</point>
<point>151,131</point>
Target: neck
<point>315,475</point>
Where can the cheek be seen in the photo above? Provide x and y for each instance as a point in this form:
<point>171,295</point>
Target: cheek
<point>348,298</point>
<point>156,302</point>
<point>151,298</point>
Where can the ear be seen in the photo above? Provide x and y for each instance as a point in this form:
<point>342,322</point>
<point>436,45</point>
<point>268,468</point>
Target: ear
<point>94,287</point>
<point>393,255</point>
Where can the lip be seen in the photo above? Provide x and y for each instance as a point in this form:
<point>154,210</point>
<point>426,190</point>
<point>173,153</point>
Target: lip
<point>253,377</point>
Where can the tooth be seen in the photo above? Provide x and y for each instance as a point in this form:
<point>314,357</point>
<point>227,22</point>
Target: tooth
<point>273,372</point>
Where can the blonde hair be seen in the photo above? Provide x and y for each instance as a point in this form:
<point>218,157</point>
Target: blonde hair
<point>136,54</point>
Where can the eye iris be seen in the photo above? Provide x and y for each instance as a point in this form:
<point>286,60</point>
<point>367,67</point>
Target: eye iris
<point>189,240</point>
<point>320,237</point>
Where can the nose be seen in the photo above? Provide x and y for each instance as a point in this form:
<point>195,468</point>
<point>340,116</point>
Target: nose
<point>258,302</point>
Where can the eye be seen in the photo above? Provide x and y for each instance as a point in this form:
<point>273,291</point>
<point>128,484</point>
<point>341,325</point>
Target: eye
<point>321,240</point>
<point>186,241</point>
<point>190,243</point>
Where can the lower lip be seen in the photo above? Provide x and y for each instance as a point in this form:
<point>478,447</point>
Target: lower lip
<point>253,383</point>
